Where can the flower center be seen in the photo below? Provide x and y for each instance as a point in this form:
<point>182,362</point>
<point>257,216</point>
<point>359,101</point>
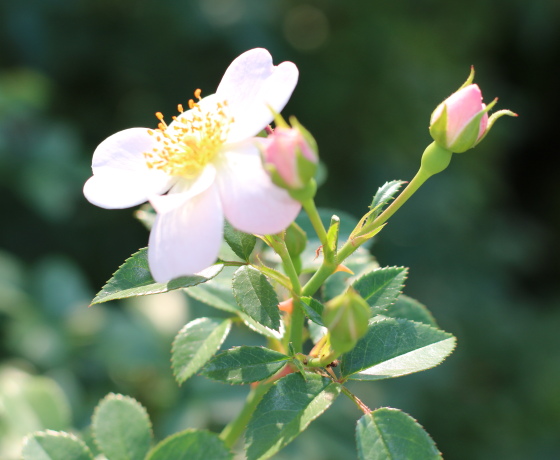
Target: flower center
<point>191,141</point>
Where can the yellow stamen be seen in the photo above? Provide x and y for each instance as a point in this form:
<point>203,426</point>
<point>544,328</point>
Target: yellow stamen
<point>193,140</point>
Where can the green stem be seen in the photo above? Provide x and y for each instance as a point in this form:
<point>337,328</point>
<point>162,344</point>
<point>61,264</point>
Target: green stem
<point>234,429</point>
<point>365,409</point>
<point>434,160</point>
<point>311,210</point>
<point>295,328</point>
<point>318,278</point>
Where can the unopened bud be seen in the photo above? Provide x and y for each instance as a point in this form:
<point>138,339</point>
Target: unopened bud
<point>346,316</point>
<point>290,156</point>
<point>461,121</point>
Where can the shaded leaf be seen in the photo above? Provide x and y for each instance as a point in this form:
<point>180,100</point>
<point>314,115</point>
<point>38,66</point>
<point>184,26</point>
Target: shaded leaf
<point>390,434</point>
<point>220,296</point>
<point>285,411</point>
<point>191,445</point>
<point>393,347</point>
<point>409,308</point>
<point>256,297</point>
<point>313,309</point>
<point>54,445</point>
<point>384,194</point>
<point>381,287</point>
<point>240,243</point>
<point>133,278</point>
<point>245,364</point>
<point>195,344</point>
<point>122,428</point>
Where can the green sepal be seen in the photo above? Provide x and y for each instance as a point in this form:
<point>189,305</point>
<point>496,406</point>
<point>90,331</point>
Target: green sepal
<point>492,119</point>
<point>332,234</point>
<point>469,80</point>
<point>305,193</point>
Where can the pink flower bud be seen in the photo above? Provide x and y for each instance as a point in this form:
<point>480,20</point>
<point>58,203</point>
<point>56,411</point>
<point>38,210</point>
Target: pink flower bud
<point>460,122</point>
<point>290,157</point>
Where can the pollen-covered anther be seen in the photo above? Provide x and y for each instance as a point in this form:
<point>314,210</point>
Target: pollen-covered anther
<point>192,140</point>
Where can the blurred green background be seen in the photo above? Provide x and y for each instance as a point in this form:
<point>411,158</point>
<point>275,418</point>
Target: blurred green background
<point>480,239</point>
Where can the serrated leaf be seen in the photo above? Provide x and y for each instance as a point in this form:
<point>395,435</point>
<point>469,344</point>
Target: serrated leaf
<point>54,445</point>
<point>256,297</point>
<point>390,434</point>
<point>196,343</point>
<point>122,428</point>
<point>393,347</point>
<point>245,364</point>
<point>381,287</point>
<point>240,243</point>
<point>409,308</point>
<point>191,445</point>
<point>220,296</point>
<point>285,411</point>
<point>313,309</point>
<point>133,278</point>
<point>384,194</point>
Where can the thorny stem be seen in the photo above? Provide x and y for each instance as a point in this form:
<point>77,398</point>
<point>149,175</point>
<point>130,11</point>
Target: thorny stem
<point>234,429</point>
<point>365,409</point>
<point>295,328</point>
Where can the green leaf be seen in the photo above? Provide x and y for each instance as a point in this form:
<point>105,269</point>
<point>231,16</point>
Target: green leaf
<point>241,243</point>
<point>393,347</point>
<point>122,428</point>
<point>285,411</point>
<point>384,194</point>
<point>220,295</point>
<point>256,297</point>
<point>133,278</point>
<point>313,309</point>
<point>409,308</point>
<point>245,364</point>
<point>390,434</point>
<point>54,445</point>
<point>195,344</point>
<point>191,445</point>
<point>381,287</point>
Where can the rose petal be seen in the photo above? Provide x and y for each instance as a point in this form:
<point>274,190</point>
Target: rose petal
<point>462,106</point>
<point>184,190</point>
<point>251,202</point>
<point>252,85</point>
<point>121,175</point>
<point>186,239</point>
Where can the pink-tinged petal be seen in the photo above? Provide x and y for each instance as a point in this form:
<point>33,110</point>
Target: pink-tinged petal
<point>252,85</point>
<point>462,106</point>
<point>251,202</point>
<point>483,123</point>
<point>187,238</point>
<point>183,190</point>
<point>121,175</point>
